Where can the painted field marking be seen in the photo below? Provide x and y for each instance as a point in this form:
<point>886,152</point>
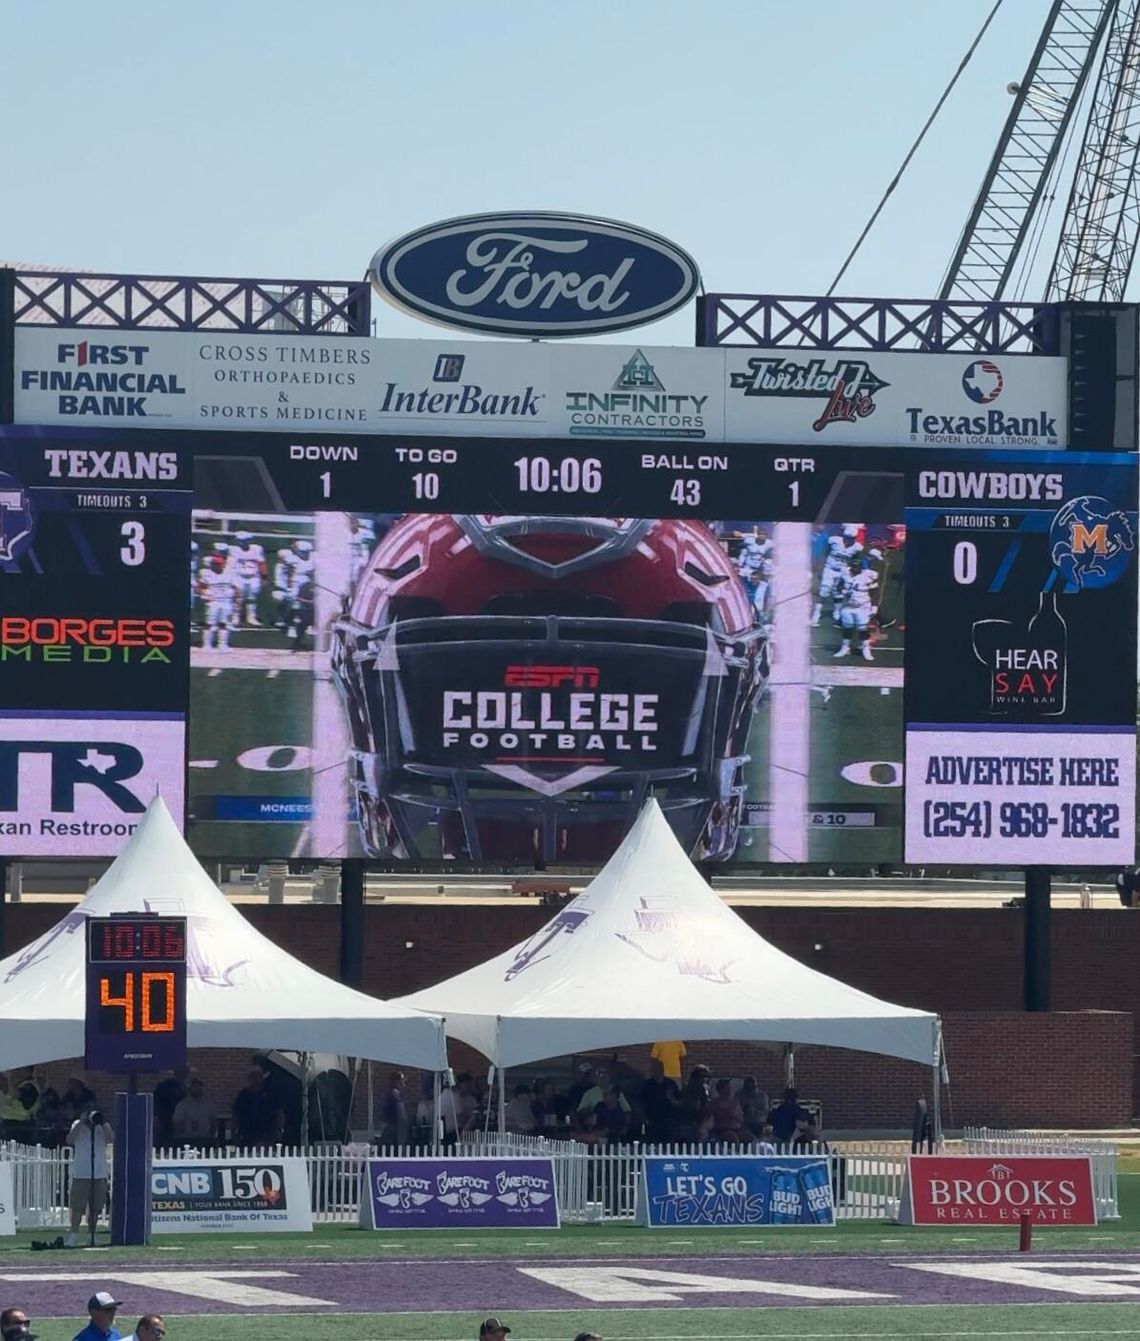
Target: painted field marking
<point>225,1287</point>
<point>638,1285</point>
<point>1104,1280</point>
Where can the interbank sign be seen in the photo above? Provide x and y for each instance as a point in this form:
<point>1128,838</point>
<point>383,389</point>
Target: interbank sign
<point>537,275</point>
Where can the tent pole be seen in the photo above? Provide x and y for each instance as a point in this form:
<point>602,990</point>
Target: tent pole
<point>371,1121</point>
<point>502,1100</point>
<point>436,1114</point>
<point>939,1062</point>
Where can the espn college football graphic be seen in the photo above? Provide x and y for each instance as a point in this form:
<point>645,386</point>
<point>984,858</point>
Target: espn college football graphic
<point>523,683</point>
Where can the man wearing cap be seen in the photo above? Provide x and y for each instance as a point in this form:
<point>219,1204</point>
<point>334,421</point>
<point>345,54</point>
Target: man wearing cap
<point>493,1329</point>
<point>588,1336</point>
<point>101,1307</point>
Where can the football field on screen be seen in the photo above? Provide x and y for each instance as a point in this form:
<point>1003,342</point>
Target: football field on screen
<point>854,1280</point>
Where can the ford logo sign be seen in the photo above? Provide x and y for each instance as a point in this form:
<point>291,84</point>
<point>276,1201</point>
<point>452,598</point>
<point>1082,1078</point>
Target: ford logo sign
<point>534,274</point>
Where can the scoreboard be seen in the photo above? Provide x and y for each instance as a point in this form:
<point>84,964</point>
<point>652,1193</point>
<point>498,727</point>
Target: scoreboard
<point>136,993</point>
<point>492,650</point>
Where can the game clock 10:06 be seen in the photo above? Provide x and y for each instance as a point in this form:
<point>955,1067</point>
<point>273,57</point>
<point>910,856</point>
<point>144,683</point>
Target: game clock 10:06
<point>136,993</point>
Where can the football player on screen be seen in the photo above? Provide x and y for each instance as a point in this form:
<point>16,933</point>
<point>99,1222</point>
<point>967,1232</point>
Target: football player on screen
<point>247,559</point>
<point>219,592</point>
<point>856,607</point>
<point>755,564</point>
<point>841,549</point>
<point>292,564</point>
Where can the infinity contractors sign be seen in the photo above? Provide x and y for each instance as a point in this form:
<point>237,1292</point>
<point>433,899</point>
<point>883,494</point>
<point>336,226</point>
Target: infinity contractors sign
<point>706,1193</point>
<point>534,274</point>
<point>427,1193</point>
<point>991,1190</point>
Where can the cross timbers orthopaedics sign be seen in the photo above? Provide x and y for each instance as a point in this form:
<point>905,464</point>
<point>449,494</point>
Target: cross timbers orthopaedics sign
<point>478,388</point>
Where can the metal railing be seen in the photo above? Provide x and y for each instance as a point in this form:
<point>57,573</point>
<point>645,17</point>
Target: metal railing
<point>990,1141</point>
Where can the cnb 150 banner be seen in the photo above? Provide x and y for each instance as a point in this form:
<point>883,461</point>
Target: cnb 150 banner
<point>735,1190</point>
<point>206,1196</point>
<point>428,1193</point>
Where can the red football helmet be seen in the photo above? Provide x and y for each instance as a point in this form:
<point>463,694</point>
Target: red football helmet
<point>518,686</point>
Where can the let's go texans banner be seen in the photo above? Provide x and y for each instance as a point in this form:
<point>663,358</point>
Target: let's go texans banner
<point>706,1193</point>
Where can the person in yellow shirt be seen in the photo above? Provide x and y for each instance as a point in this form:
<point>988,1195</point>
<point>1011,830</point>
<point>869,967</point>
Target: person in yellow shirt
<point>670,1056</point>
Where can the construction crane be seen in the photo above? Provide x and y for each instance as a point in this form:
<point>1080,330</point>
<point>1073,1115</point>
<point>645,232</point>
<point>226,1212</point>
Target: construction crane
<point>1101,224</point>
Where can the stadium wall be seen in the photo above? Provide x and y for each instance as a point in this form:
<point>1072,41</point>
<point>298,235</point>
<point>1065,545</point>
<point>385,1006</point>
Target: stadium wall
<point>1073,1067</point>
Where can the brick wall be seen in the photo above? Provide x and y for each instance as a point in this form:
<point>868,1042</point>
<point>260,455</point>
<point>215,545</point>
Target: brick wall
<point>1071,1068</point>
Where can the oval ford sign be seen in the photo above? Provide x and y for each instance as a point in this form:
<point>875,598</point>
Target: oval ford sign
<point>534,274</point>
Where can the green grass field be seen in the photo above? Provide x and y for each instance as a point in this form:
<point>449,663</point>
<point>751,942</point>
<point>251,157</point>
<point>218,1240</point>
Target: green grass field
<point>597,1245</point>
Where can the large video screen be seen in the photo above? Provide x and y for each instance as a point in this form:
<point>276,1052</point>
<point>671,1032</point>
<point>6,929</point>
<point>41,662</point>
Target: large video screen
<point>512,688</point>
<point>492,651</point>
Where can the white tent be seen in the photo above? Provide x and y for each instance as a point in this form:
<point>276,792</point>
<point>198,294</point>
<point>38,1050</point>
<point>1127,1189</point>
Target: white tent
<point>243,991</point>
<point>648,951</point>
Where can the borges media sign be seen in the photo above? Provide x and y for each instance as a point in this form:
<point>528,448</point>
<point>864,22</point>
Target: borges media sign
<point>534,274</point>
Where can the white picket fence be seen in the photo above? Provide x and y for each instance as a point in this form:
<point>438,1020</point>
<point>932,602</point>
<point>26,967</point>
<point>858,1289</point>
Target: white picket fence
<point>987,1141</point>
<point>595,1183</point>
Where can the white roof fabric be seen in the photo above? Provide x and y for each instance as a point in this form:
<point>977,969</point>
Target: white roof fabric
<point>648,951</point>
<point>243,991</point>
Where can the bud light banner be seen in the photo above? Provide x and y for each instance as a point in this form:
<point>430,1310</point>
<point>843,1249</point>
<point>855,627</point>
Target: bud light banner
<point>429,1193</point>
<point>197,1196</point>
<point>990,1190</point>
<point>735,1190</point>
<point>1020,692</point>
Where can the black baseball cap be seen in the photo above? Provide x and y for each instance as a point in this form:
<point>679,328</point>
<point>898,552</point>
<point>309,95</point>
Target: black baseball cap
<point>101,1299</point>
<point>489,1325</point>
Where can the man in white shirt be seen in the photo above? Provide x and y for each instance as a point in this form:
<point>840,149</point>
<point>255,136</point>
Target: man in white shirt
<point>89,1137</point>
<point>192,1115</point>
<point>151,1328</point>
<point>458,1107</point>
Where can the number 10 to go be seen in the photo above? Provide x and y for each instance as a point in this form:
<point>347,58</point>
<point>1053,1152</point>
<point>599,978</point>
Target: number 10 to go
<point>149,1022</point>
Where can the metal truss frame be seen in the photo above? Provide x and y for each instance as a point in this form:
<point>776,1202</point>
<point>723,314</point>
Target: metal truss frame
<point>154,302</point>
<point>931,326</point>
<point>1045,100</point>
<point>1102,219</point>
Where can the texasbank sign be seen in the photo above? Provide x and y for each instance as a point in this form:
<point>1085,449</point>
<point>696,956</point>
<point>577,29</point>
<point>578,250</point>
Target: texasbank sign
<point>534,274</point>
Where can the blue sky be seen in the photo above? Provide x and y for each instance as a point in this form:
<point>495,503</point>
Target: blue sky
<point>289,140</point>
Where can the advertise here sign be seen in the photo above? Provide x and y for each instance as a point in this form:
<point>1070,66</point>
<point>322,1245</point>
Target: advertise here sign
<point>231,1195</point>
<point>993,1190</point>
<point>735,1190</point>
<point>351,384</point>
<point>428,1193</point>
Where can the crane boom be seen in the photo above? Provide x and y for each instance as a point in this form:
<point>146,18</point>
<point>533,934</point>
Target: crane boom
<point>1044,103</point>
<point>1102,219</point>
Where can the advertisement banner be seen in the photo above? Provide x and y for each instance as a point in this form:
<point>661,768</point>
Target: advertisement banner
<point>611,391</point>
<point>1021,661</point>
<point>174,379</point>
<point>460,1193</point>
<point>842,397</point>
<point>199,1196</point>
<point>989,1190</point>
<point>714,1191</point>
<point>7,1201</point>
<point>76,783</point>
<point>294,383</point>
